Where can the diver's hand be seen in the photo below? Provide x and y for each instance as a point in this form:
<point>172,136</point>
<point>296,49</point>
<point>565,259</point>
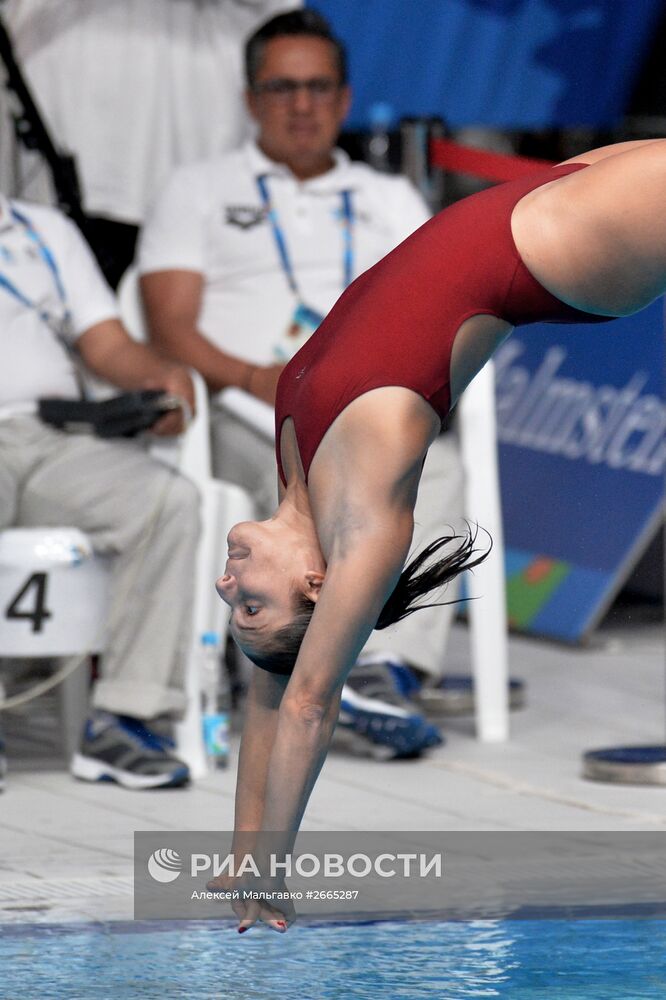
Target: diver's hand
<point>278,914</point>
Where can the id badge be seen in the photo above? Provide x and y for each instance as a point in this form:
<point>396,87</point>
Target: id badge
<point>302,325</point>
<point>66,327</point>
<point>59,321</point>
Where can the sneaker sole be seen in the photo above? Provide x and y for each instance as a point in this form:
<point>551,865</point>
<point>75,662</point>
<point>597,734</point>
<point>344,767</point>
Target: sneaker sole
<point>90,769</point>
<point>460,701</point>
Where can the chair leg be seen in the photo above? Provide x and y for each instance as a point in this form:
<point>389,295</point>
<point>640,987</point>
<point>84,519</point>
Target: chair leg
<point>74,694</point>
<point>189,731</point>
<point>487,616</point>
<point>223,504</point>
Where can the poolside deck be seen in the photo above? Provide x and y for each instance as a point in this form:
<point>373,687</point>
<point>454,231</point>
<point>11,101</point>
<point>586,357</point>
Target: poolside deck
<point>66,846</point>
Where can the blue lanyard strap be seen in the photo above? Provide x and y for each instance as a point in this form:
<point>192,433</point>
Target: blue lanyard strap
<point>281,244</point>
<point>50,262</point>
<point>348,228</point>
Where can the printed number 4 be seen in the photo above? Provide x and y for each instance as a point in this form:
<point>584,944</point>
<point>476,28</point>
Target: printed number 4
<point>38,612</point>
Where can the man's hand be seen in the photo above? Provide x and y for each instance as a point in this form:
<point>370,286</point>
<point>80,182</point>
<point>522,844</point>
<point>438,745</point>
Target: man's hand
<point>108,351</point>
<point>263,381</point>
<point>177,382</point>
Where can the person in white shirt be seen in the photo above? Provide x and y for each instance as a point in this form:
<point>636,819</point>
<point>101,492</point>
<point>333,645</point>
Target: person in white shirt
<point>131,88</point>
<point>55,311</point>
<point>243,255</point>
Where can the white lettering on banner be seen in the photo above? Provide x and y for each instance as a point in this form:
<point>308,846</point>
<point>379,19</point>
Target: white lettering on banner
<point>378,865</point>
<point>619,428</point>
<point>307,865</point>
<point>334,865</point>
<point>222,865</point>
<point>330,865</point>
<point>432,866</point>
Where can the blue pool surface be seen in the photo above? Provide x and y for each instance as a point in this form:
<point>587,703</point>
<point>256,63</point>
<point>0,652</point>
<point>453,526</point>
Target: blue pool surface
<point>558,959</point>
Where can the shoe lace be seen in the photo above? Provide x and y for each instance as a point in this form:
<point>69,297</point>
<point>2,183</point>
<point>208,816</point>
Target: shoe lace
<point>146,737</point>
<point>405,679</point>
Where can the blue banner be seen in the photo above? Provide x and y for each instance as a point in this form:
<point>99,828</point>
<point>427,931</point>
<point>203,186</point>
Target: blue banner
<point>582,440</point>
<point>523,64</point>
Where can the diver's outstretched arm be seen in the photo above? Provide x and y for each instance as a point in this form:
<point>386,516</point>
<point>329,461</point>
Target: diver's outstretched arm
<point>359,579</point>
<point>259,729</point>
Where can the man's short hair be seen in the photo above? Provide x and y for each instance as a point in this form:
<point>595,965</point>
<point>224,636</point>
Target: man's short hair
<point>307,24</point>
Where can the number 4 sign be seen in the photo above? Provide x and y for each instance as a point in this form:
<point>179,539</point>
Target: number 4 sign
<point>30,602</point>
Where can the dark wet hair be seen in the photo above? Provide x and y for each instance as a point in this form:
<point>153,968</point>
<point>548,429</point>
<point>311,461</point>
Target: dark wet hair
<point>294,23</point>
<point>278,653</point>
<point>420,577</point>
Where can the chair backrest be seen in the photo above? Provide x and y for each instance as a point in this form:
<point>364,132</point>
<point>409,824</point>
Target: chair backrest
<point>253,412</point>
<point>191,453</point>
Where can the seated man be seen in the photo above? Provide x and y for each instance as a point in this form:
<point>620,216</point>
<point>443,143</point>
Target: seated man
<point>242,257</point>
<point>56,310</point>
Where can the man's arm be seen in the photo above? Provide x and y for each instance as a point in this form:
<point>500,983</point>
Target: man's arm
<point>172,301</point>
<point>109,352</point>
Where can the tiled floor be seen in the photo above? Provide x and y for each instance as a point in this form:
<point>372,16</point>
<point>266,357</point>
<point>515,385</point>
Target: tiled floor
<point>66,846</point>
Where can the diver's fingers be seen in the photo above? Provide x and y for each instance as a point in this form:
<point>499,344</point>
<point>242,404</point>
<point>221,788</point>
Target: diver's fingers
<point>252,910</point>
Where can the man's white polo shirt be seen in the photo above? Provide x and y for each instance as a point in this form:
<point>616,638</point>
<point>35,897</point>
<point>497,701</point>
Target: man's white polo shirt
<point>33,361</point>
<point>211,219</point>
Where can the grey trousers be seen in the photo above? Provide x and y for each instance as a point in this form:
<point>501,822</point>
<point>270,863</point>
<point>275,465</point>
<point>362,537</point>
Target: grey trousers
<point>242,456</point>
<point>119,496</point>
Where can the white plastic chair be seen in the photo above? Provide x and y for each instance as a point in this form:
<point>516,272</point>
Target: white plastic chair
<point>222,505</point>
<point>53,603</point>
<point>487,615</point>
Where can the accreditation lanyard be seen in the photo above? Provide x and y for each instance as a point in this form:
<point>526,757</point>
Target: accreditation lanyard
<point>49,260</point>
<point>281,243</point>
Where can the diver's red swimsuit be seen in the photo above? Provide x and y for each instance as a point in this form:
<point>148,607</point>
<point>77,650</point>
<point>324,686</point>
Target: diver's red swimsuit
<point>395,325</point>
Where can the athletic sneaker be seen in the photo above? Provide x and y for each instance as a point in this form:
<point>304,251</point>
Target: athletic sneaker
<point>439,697</point>
<point>375,717</point>
<point>122,749</point>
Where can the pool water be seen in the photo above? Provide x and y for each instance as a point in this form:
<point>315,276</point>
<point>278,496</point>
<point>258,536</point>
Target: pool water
<point>522,959</point>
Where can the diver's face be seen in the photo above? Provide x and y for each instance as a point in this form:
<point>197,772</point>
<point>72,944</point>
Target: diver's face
<point>265,566</point>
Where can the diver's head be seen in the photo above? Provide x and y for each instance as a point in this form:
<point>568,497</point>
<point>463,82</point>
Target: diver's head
<point>274,576</point>
<point>271,582</point>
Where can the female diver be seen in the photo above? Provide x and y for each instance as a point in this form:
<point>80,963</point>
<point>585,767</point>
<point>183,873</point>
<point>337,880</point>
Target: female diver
<point>356,411</point>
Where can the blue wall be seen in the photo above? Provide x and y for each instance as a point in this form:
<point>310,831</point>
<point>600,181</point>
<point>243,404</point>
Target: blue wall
<point>524,64</point>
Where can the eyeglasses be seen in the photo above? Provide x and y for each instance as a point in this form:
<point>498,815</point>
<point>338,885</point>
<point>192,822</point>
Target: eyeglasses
<point>319,88</point>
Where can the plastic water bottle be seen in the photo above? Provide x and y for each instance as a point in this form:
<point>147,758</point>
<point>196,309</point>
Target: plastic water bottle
<point>216,701</point>
<point>381,120</point>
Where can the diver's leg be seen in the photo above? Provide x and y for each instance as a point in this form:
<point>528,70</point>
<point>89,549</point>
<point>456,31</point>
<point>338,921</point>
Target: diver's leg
<point>594,155</point>
<point>596,238</point>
